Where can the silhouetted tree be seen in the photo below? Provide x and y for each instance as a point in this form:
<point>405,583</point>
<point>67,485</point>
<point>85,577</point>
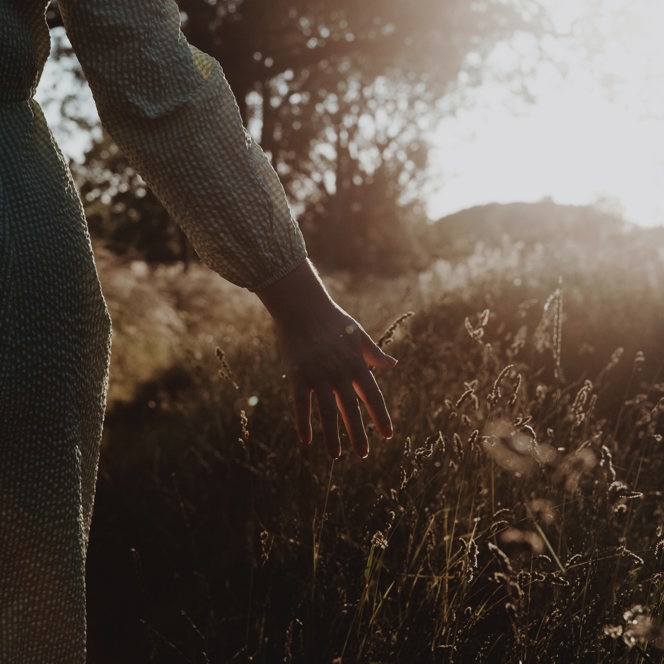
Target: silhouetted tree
<point>342,94</point>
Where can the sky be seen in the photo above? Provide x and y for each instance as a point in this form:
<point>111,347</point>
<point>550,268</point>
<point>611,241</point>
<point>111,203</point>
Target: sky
<point>570,145</point>
<point>591,129</point>
<point>594,131</point>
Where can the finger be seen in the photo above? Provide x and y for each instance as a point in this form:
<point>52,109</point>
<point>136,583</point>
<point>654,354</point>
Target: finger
<point>350,413</point>
<point>327,410</point>
<point>368,390</point>
<point>373,355</point>
<point>302,402</point>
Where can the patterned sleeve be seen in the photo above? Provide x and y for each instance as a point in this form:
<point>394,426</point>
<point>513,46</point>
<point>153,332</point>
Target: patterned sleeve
<point>170,109</point>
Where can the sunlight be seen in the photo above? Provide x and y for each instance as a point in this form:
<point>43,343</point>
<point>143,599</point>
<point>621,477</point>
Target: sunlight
<point>593,131</point>
<point>589,127</point>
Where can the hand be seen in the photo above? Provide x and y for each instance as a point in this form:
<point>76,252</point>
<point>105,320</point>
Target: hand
<point>329,356</point>
<point>327,352</point>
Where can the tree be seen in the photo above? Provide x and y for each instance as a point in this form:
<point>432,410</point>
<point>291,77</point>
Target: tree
<point>344,94</point>
<point>341,94</point>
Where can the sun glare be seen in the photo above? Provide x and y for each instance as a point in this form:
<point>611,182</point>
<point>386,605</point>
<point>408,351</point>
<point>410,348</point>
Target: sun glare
<point>593,130</point>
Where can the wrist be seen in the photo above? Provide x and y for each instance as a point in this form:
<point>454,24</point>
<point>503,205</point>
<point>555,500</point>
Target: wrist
<point>297,296</point>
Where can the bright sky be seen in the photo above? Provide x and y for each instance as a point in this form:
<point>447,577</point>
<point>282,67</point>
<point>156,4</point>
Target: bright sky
<point>579,141</point>
<point>594,129</point>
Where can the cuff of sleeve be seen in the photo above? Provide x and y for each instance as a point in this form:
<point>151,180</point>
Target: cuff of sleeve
<point>285,269</point>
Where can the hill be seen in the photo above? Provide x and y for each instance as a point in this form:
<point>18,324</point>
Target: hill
<point>544,223</point>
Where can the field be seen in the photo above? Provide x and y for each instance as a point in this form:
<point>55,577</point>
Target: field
<point>516,516</point>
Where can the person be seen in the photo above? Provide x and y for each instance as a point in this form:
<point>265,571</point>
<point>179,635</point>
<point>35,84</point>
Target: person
<point>169,107</point>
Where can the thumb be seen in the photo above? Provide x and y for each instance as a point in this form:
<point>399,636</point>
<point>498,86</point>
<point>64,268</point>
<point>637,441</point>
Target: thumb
<point>374,356</point>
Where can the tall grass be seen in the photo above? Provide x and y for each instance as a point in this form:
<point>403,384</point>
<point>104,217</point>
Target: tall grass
<point>517,515</point>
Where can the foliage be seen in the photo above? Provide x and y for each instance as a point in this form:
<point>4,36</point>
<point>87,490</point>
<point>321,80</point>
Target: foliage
<point>343,96</point>
<point>517,515</point>
<point>123,212</point>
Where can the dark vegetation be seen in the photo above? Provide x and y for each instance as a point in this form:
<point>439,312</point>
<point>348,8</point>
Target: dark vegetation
<point>517,514</point>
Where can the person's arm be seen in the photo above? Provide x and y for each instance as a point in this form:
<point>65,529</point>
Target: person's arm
<point>170,109</point>
<point>327,353</point>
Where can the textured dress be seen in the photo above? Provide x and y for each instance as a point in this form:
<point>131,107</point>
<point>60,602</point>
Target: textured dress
<point>170,109</point>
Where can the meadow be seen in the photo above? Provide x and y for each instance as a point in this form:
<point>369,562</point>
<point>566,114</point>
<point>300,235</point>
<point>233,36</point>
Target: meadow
<point>516,516</point>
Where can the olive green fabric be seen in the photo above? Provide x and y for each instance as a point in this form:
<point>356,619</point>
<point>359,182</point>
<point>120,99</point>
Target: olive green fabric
<point>169,107</point>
